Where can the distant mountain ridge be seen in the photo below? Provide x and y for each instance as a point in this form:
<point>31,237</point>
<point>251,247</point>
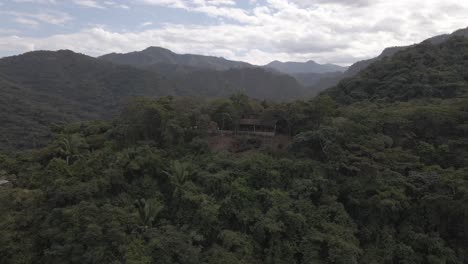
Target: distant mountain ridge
<point>173,65</point>
<point>327,78</point>
<point>157,55</point>
<point>304,67</point>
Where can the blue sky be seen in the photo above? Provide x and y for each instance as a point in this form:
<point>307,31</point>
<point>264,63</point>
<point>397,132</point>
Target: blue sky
<point>257,31</point>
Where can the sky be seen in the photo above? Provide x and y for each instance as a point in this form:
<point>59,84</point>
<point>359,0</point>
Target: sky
<point>256,31</point>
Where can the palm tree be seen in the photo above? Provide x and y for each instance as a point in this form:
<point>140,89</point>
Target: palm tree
<point>148,211</point>
<point>71,146</point>
<point>178,174</point>
<point>225,117</point>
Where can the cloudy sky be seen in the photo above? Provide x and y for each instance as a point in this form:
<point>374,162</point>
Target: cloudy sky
<point>257,31</point>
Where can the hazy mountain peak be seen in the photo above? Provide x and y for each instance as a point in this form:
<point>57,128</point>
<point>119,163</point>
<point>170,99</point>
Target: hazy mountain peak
<point>309,66</point>
<point>158,55</point>
<point>153,48</point>
<point>441,38</point>
<point>156,50</point>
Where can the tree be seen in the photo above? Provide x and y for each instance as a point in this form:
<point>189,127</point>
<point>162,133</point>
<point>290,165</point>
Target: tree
<point>148,211</point>
<point>72,146</point>
<point>178,173</point>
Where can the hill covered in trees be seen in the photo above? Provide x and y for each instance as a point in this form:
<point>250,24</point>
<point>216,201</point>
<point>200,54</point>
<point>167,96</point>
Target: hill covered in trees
<point>426,70</point>
<point>360,184</point>
<point>43,88</point>
<point>371,176</point>
<point>330,81</point>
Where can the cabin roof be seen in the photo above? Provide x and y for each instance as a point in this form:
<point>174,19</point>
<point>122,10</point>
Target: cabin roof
<point>257,122</point>
<point>4,182</point>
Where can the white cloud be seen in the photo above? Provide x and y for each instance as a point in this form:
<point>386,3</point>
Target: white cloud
<point>8,31</point>
<point>168,3</point>
<point>115,4</point>
<point>146,24</point>
<point>88,3</point>
<point>36,1</point>
<point>336,31</point>
<point>27,21</point>
<point>34,19</point>
<point>306,25</point>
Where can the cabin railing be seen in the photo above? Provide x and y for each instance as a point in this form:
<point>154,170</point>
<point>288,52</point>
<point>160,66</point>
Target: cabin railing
<point>250,133</point>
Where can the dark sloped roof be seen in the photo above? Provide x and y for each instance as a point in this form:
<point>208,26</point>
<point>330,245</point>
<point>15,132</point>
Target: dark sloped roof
<point>257,122</point>
<point>4,182</point>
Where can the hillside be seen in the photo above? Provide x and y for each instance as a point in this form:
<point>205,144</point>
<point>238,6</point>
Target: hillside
<point>389,52</point>
<point>256,83</point>
<point>423,71</point>
<point>157,55</point>
<point>79,77</point>
<point>367,183</point>
<point>40,89</point>
<point>359,66</point>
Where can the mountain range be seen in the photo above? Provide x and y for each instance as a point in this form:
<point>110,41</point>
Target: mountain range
<point>158,55</point>
<point>172,64</point>
<point>312,75</point>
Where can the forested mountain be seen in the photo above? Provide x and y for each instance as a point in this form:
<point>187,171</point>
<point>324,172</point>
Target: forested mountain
<point>157,55</point>
<point>329,81</point>
<point>423,71</point>
<point>388,52</point>
<point>43,88</point>
<point>79,77</point>
<point>361,65</point>
<point>441,38</point>
<point>304,67</point>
